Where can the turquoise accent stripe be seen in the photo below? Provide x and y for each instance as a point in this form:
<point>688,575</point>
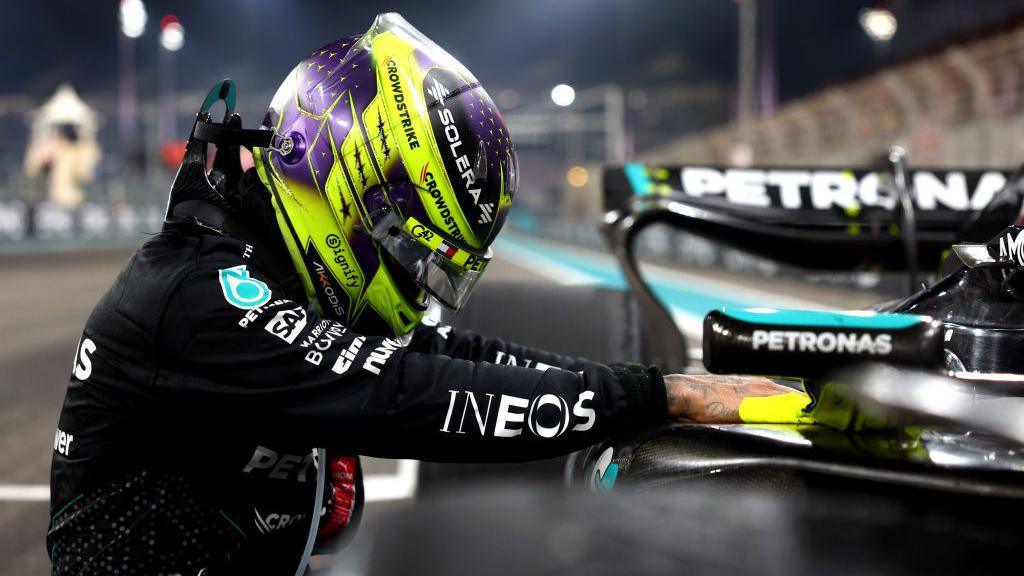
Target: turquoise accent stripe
<point>869,320</point>
<point>689,300</point>
<point>232,522</point>
<point>607,482</point>
<point>636,173</point>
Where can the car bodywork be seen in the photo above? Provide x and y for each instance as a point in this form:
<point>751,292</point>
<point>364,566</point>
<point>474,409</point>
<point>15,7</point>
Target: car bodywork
<point>955,436</point>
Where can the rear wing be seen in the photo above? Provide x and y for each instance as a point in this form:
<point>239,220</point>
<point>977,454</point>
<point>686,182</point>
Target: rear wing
<point>825,218</point>
<point>830,218</point>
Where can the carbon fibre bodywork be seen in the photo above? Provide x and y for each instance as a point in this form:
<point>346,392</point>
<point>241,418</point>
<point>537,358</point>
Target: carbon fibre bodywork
<point>784,459</point>
<point>938,459</point>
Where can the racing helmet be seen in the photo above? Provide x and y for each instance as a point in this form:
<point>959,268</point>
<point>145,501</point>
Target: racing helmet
<point>390,175</point>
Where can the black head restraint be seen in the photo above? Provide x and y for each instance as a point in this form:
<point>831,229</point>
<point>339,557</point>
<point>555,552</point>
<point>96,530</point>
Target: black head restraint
<point>193,185</point>
<point>200,199</point>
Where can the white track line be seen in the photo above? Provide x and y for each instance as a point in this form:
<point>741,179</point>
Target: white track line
<point>24,492</point>
<point>397,486</point>
<point>378,487</point>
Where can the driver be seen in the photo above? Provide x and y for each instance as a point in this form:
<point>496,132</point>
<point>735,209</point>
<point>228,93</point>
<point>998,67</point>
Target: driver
<point>277,327</point>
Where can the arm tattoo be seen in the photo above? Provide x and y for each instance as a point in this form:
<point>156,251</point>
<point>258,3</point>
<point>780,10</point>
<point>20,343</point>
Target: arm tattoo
<point>708,398</point>
<point>719,411</point>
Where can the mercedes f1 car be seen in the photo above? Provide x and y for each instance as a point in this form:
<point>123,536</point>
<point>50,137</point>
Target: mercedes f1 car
<point>926,473</point>
<point>941,370</point>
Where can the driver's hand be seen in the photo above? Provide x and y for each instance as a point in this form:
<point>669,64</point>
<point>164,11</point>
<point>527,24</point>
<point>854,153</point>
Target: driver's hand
<point>715,399</point>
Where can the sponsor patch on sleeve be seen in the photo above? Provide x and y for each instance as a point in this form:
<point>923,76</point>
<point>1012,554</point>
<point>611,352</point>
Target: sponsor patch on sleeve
<point>241,290</point>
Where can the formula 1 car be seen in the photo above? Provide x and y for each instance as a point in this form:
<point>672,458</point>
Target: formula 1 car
<point>940,371</point>
<point>925,476</point>
<point>888,218</point>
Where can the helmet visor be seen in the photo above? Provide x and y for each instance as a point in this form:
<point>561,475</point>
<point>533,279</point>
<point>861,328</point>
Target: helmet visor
<point>446,271</point>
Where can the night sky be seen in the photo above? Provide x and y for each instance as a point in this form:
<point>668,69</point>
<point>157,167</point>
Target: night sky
<point>524,44</point>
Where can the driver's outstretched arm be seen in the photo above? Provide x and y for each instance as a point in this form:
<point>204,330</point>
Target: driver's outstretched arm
<point>280,371</point>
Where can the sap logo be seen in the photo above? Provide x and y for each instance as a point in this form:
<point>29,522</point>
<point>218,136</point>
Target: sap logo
<point>62,442</point>
<point>281,466</point>
<point>605,472</point>
<point>348,356</point>
<point>275,521</point>
<point>515,413</point>
<point>1012,247</point>
<point>510,360</point>
<point>842,188</point>
<point>824,342</point>
<point>380,355</point>
<point>82,368</point>
<point>287,324</point>
<point>241,290</point>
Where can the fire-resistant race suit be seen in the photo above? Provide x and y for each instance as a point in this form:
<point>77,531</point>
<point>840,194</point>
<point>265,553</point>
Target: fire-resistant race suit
<point>201,388</point>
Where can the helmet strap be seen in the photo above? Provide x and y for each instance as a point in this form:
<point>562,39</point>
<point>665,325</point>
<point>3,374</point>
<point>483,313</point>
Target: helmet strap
<point>192,181</point>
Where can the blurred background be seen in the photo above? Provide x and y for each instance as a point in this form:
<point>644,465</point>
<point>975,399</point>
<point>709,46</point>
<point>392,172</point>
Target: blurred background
<point>97,99</point>
<point>99,96</point>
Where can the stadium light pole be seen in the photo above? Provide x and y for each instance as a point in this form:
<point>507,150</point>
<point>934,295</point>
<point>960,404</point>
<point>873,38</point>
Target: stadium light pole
<point>132,16</point>
<point>172,39</point>
<point>746,105</point>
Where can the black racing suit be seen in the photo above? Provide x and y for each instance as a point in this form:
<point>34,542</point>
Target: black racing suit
<point>189,421</point>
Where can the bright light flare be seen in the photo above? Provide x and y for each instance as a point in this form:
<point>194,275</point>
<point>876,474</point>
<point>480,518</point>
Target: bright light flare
<point>878,23</point>
<point>563,95</point>
<point>577,176</point>
<point>133,18</point>
<point>172,33</point>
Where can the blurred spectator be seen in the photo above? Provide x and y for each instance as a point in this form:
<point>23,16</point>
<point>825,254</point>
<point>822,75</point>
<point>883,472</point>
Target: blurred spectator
<point>62,149</point>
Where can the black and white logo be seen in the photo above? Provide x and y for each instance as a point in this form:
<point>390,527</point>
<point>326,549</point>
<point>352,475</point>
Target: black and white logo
<point>294,467</point>
<point>486,213</point>
<point>83,359</point>
<point>376,360</point>
<point>545,416</point>
<point>822,342</point>
<point>275,521</point>
<point>796,189</point>
<point>348,356</point>
<point>1013,247</point>
<point>502,358</point>
<point>62,442</point>
<point>287,324</point>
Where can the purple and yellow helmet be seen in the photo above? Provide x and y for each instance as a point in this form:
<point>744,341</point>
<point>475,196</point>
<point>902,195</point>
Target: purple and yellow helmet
<point>398,172</point>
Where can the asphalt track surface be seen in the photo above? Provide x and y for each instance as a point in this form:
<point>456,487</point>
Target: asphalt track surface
<point>46,298</point>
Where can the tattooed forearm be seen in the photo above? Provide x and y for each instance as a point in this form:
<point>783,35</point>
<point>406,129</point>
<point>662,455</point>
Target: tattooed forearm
<point>720,412</point>
<point>704,384</point>
<point>709,398</point>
